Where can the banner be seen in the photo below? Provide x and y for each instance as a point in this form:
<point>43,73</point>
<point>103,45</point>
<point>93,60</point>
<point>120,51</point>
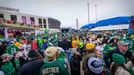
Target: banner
<point>131,25</point>
<point>1,20</point>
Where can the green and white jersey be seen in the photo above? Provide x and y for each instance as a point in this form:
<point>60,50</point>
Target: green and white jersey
<point>12,49</point>
<point>130,46</point>
<point>55,67</point>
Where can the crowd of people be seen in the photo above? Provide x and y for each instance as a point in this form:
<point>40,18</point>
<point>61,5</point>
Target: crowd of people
<point>70,53</point>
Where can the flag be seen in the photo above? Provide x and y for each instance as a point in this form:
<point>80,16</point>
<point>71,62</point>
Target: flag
<point>131,25</point>
<point>46,32</point>
<point>1,20</point>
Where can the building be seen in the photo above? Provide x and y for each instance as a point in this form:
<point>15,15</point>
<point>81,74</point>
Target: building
<point>65,29</point>
<point>12,19</point>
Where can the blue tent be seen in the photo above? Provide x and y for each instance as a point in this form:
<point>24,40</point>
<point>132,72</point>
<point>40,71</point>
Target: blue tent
<point>111,21</point>
<point>85,26</point>
<point>89,26</point>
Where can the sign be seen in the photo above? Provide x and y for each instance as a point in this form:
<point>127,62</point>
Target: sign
<point>131,25</point>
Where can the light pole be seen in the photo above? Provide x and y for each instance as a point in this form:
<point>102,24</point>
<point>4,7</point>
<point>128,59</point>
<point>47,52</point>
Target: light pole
<point>77,24</point>
<point>88,12</point>
<point>96,12</point>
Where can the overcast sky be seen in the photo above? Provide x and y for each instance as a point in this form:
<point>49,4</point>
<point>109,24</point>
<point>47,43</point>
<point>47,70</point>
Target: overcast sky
<point>67,11</point>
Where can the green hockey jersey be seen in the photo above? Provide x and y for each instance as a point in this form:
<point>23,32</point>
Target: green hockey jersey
<point>55,67</point>
<point>8,68</point>
<point>12,49</point>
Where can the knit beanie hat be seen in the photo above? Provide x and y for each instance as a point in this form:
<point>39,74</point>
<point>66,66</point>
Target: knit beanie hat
<point>95,65</point>
<point>90,47</point>
<point>119,59</point>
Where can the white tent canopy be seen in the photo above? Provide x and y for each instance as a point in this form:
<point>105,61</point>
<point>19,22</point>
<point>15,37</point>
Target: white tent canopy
<point>111,27</point>
<point>54,30</point>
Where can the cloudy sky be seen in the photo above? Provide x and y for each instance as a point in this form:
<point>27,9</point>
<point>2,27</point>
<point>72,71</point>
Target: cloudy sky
<point>67,11</point>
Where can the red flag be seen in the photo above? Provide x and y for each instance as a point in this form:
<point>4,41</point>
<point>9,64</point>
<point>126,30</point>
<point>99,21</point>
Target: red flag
<point>1,20</point>
<point>132,24</point>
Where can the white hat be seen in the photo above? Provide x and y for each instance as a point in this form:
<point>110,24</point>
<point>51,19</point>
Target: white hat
<point>5,55</point>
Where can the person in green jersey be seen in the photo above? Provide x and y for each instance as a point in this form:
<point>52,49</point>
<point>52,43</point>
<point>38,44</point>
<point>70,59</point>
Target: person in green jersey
<point>62,57</point>
<point>40,43</point>
<point>130,65</point>
<point>12,48</point>
<point>7,67</point>
<point>52,66</point>
<point>130,41</point>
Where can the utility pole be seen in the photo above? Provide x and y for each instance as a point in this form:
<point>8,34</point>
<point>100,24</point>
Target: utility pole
<point>96,12</point>
<point>88,12</point>
<point>77,24</point>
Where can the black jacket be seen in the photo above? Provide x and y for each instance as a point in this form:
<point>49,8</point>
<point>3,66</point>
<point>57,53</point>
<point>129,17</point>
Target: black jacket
<point>31,68</point>
<point>2,50</point>
<point>75,64</point>
<point>67,44</point>
<point>60,43</point>
<point>128,55</point>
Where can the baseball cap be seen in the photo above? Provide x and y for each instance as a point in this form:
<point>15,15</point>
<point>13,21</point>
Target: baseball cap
<point>122,42</point>
<point>3,56</point>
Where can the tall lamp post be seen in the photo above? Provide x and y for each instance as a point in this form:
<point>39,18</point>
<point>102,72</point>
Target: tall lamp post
<point>96,12</point>
<point>77,24</point>
<point>88,12</point>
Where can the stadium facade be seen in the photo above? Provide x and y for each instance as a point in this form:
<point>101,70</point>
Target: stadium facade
<point>12,19</point>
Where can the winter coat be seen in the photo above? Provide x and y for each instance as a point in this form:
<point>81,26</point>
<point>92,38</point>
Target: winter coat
<point>12,49</point>
<point>34,45</point>
<point>130,67</point>
<point>31,68</point>
<point>60,43</point>
<point>84,64</point>
<point>55,67</point>
<point>120,71</point>
<point>75,64</point>
<point>108,56</point>
<point>75,44</point>
<point>2,50</point>
<point>8,68</point>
